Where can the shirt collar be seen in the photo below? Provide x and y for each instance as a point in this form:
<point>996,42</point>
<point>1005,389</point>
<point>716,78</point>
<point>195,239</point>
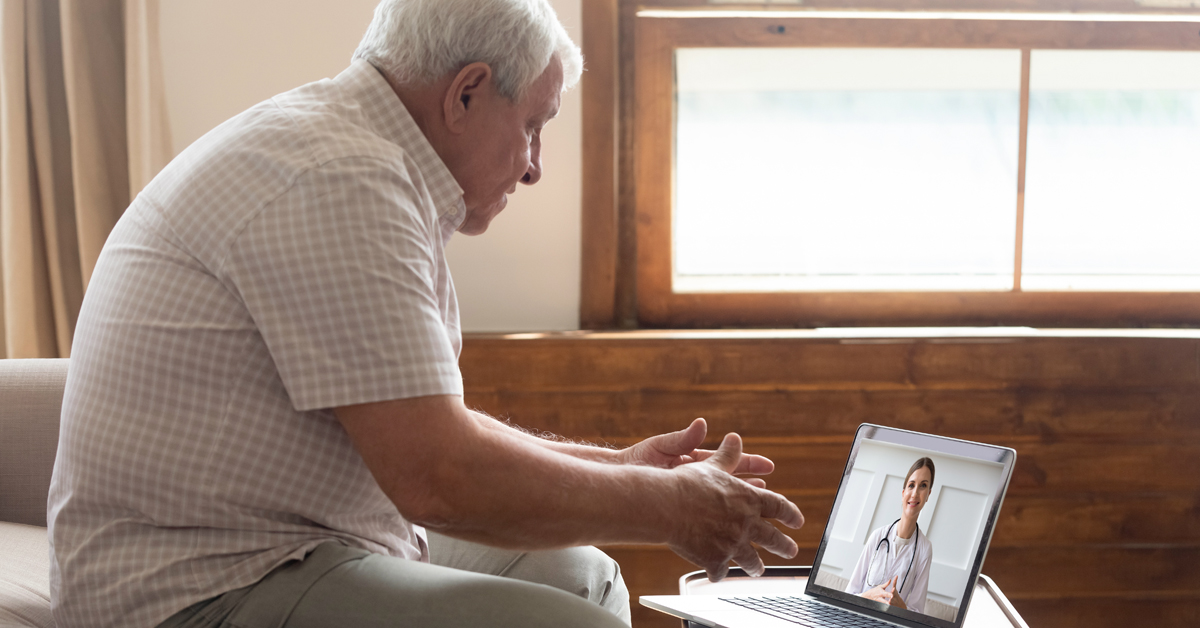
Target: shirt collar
<point>388,118</point>
<point>899,542</point>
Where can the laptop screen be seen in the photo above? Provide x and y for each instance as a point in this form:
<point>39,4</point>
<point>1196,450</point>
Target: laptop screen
<point>910,525</point>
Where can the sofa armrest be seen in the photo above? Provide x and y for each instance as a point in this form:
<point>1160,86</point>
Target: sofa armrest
<point>31,393</point>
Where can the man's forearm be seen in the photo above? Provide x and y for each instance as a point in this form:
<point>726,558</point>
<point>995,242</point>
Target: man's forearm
<point>585,451</point>
<point>475,478</point>
<point>445,467</point>
<point>543,494</point>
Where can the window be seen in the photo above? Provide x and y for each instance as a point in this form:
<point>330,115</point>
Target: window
<point>804,168</point>
<point>844,169</point>
<point>1111,186</point>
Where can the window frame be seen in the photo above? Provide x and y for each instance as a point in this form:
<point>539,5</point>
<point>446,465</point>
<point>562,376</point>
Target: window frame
<point>642,257</point>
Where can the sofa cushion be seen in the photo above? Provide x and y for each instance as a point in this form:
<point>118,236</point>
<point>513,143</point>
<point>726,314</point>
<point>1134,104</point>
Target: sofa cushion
<point>31,393</point>
<point>24,576</point>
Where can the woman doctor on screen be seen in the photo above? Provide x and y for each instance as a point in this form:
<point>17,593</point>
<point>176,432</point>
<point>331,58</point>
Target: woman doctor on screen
<point>894,565</point>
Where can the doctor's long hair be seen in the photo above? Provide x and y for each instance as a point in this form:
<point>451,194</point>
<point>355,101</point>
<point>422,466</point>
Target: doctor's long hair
<point>923,462</point>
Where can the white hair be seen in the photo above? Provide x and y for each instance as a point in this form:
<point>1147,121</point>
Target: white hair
<point>416,42</point>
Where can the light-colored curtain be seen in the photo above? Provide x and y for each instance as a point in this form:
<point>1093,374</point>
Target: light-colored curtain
<point>82,128</point>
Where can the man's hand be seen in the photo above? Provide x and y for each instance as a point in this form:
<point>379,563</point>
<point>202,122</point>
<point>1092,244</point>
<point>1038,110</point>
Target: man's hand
<point>723,517</point>
<point>667,451</point>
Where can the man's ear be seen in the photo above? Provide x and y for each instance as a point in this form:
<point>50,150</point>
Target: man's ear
<point>462,94</point>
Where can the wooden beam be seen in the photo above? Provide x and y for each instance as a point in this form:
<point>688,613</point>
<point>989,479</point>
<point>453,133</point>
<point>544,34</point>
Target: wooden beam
<point>1049,6</point>
<point>626,298</point>
<point>599,229</point>
<point>1022,147</point>
<point>882,32</point>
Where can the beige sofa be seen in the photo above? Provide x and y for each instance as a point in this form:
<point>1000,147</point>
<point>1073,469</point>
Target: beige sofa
<point>30,402</point>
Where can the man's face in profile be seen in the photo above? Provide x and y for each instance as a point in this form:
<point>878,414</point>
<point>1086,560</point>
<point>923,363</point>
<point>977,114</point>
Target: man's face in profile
<point>507,147</point>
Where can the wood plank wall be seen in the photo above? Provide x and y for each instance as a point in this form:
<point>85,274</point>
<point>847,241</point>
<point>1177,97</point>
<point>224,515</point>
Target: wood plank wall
<point>1101,526</point>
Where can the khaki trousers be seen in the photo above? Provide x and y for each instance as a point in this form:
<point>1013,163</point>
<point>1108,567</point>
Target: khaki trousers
<point>465,585</point>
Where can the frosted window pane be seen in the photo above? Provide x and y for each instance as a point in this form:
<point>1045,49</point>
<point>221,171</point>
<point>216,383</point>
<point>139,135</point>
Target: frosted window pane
<point>845,169</point>
<point>1113,179</point>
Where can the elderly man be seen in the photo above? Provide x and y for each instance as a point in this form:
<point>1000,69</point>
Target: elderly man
<point>264,410</point>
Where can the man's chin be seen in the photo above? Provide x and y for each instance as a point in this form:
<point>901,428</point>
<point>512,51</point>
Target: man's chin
<point>478,221</point>
<point>473,228</point>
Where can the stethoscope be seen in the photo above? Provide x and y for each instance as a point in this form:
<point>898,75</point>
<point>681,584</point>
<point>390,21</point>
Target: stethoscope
<point>884,543</point>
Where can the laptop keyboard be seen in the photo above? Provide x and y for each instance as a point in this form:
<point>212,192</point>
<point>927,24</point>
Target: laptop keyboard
<point>806,612</point>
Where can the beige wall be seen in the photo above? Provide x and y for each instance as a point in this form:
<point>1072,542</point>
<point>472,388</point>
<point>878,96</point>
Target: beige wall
<point>222,56</point>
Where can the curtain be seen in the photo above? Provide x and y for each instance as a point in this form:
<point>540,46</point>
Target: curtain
<point>83,127</point>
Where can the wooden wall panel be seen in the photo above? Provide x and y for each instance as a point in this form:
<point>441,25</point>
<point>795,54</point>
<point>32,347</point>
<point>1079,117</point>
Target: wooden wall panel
<point>614,416</point>
<point>1101,526</point>
<point>610,362</point>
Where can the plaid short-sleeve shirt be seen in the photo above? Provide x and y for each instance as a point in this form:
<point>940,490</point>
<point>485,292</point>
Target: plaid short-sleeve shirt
<point>289,262</point>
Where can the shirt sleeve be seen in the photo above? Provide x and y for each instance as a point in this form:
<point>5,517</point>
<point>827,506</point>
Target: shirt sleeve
<point>341,276</point>
<point>858,579</point>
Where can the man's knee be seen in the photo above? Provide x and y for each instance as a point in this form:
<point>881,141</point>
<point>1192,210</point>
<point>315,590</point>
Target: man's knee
<point>590,573</point>
<point>583,571</point>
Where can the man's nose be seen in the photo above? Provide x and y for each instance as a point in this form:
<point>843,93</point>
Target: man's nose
<point>534,173</point>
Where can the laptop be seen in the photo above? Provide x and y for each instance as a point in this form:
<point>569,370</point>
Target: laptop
<point>934,569</point>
